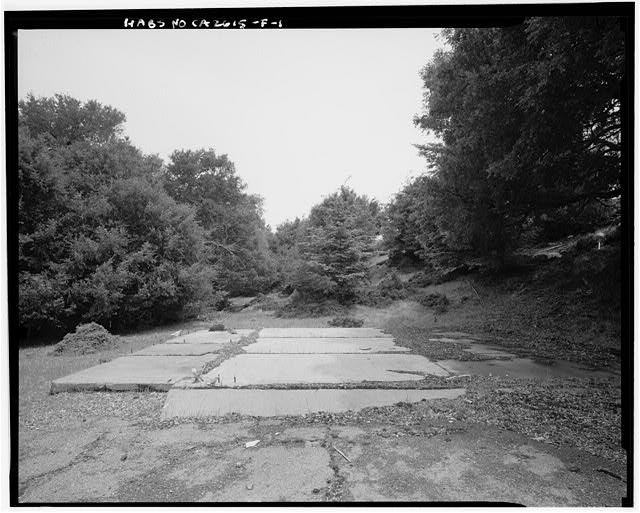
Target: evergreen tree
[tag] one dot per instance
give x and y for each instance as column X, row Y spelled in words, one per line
column 333, row 251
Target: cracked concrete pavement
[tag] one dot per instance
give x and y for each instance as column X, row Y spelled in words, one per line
column 302, row 457
column 111, row 460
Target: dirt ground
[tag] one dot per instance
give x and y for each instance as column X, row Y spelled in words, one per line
column 507, row 440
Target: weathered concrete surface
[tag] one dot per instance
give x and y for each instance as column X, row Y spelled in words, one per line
column 106, row 459
column 522, row 368
column 323, row 345
column 279, row 474
column 264, row 369
column 478, row 463
column 302, row 434
column 271, row 403
column 191, row 434
column 209, row 337
column 112, row 461
column 131, row 373
column 322, row 333
column 177, row 350
column 82, row 463
column 51, row 451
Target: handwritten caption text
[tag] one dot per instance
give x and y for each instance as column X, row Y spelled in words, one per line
column 200, row 23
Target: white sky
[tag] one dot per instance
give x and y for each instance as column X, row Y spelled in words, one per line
column 297, row 111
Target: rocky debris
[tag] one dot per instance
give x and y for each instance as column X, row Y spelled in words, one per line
column 87, row 338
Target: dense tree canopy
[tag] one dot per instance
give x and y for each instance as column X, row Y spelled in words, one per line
column 529, row 124
column 67, row 120
column 411, row 232
column 110, row 235
column 99, row 239
column 235, row 233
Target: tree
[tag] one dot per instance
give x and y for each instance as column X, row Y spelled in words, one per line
column 410, row 231
column 288, row 235
column 67, row 120
column 529, row 124
column 99, row 239
column 333, row 250
column 235, row 232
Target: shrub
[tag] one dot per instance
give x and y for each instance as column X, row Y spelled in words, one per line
column 439, row 302
column 309, row 279
column 392, row 287
column 345, row 322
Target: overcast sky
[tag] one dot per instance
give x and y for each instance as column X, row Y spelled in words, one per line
column 297, row 111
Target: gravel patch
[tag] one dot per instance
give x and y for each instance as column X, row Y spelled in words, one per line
column 57, row 411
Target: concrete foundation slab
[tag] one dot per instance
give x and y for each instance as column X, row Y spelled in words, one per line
column 270, row 403
column 209, row 337
column 264, row 369
column 131, row 373
column 477, row 463
column 523, row 368
column 322, row 333
column 178, row 350
column 323, row 345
